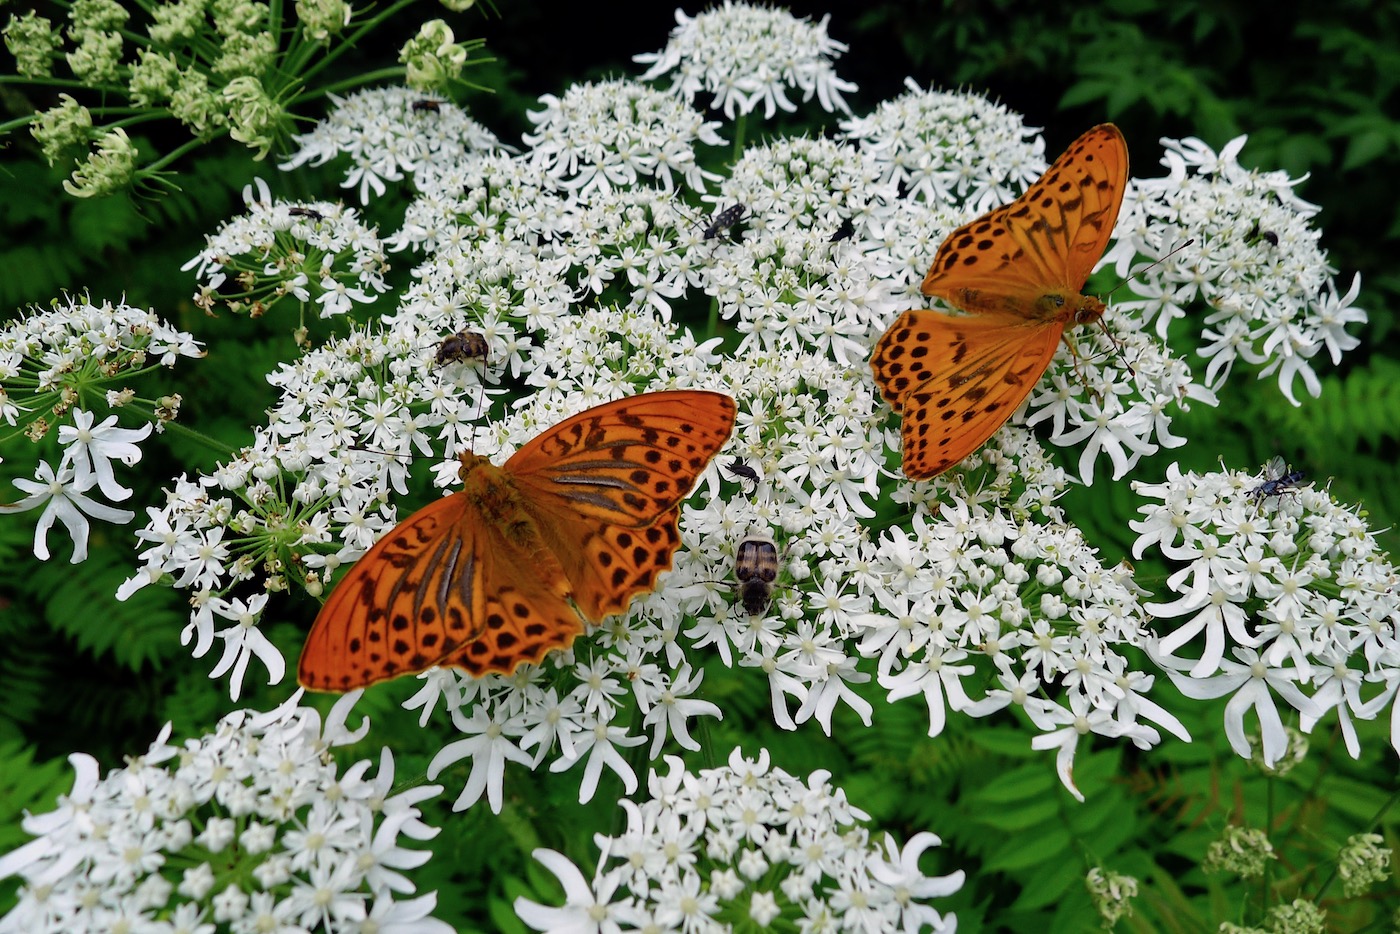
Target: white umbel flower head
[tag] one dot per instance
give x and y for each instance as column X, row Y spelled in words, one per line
column 744, row 56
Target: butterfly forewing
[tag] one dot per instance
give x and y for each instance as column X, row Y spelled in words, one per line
column 1049, row 238
column 626, row 462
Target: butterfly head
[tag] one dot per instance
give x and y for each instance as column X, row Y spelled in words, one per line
column 470, row 463
column 1088, row 309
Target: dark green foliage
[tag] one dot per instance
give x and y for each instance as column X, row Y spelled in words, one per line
column 27, row 785
column 132, row 635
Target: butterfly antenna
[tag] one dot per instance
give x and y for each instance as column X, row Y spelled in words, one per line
column 1157, row 262
column 1117, row 344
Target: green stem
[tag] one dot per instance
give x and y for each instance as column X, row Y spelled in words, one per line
column 397, row 71
column 351, row 40
column 179, row 151
column 213, row 444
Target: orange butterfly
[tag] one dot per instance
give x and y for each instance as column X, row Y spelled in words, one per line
column 578, row 522
column 1017, row 273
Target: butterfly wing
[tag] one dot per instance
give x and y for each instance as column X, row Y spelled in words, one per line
column 958, row 379
column 605, row 487
column 444, row 587
column 1017, row 272
column 1047, row 239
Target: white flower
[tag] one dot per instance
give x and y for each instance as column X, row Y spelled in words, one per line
column 490, row 746
column 242, row 641
column 583, row 912
column 710, row 842
column 104, row 850
column 1254, row 685
column 674, row 707
column 91, row 450
column 63, row 500
column 599, row 740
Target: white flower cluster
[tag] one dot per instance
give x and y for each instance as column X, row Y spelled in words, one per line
column 53, row 365
column 609, row 134
column 953, row 151
column 800, row 256
column 269, row 836
column 316, row 251
column 747, row 55
column 1290, row 592
column 389, row 134
column 1254, row 262
column 737, row 848
column 1023, row 614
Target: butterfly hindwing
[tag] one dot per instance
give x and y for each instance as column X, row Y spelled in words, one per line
column 957, row 380
column 443, row 587
column 605, row 488
column 608, row 565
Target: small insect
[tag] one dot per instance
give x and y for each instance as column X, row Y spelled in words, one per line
column 312, row 213
column 1268, row 236
column 846, row 231
column 1278, row 480
column 427, row 105
column 724, row 220
column 756, row 568
column 461, row 347
column 756, row 563
column 741, row 471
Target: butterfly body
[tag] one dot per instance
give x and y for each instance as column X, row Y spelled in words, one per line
column 577, row 522
column 1017, row 275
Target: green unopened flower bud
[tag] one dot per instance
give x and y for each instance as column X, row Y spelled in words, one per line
column 246, row 54
column 61, row 128
column 154, row 78
column 110, row 169
column 33, row 42
column 1240, row 850
column 105, row 15
column 432, row 57
column 97, row 56
column 176, row 21
column 1110, row 893
column 252, row 114
column 196, row 106
column 459, row 6
column 1298, row 917
column 232, row 17
column 322, row 19
column 1364, row 861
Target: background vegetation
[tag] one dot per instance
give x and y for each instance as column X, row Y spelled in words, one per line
column 1314, row 86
